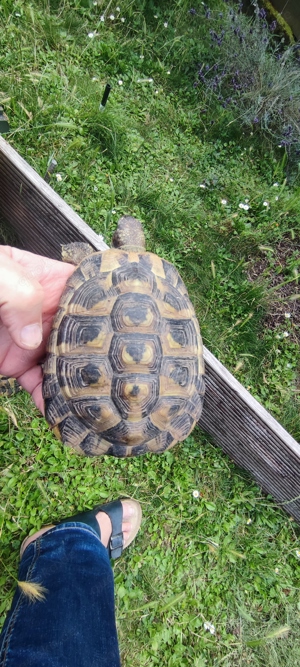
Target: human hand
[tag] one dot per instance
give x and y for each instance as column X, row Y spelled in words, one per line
column 30, row 290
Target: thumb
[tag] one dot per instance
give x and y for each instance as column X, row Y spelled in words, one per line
column 21, row 300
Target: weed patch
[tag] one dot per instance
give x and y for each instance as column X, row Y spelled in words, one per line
column 249, row 72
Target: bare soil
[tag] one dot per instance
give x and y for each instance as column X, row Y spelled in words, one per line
column 275, row 272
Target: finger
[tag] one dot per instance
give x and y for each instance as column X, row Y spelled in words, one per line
column 39, row 267
column 21, row 300
column 32, row 382
column 50, row 273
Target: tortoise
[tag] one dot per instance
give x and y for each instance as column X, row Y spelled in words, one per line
column 8, row 386
column 124, row 372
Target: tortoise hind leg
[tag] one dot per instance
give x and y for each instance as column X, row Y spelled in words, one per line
column 8, row 386
column 74, row 253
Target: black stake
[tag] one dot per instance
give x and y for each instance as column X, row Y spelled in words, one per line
column 50, row 169
column 4, row 125
column 105, row 97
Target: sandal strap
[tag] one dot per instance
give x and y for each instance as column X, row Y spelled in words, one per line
column 115, row 512
column 88, row 517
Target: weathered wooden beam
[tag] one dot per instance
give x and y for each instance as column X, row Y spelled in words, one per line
column 231, row 416
column 250, row 435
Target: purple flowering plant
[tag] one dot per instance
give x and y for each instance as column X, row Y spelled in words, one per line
column 251, row 73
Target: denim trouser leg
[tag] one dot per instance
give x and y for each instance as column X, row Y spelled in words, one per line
column 75, row 625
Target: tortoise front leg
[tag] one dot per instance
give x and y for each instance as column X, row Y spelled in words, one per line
column 75, row 252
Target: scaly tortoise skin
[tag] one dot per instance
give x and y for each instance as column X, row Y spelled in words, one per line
column 124, row 370
column 8, row 386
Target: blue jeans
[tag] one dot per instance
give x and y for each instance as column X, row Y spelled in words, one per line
column 75, row 625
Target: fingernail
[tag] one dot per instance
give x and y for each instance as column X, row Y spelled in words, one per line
column 31, row 335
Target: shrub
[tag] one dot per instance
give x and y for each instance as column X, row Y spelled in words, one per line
column 250, row 72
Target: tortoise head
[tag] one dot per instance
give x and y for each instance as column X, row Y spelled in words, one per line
column 129, row 235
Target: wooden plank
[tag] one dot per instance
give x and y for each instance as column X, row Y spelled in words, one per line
column 242, row 427
column 231, row 416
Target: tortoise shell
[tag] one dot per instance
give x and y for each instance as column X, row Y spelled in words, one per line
column 124, row 371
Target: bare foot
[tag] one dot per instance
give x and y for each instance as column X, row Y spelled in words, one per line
column 105, row 523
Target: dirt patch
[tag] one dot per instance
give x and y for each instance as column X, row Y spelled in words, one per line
column 275, row 271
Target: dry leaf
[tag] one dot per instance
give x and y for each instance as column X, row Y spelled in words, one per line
column 28, row 113
column 11, row 414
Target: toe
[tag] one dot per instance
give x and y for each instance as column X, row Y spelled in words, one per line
column 128, row 509
column 126, row 530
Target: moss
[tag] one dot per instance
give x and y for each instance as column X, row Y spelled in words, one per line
column 280, row 20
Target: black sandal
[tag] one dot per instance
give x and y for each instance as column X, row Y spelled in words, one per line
column 114, row 510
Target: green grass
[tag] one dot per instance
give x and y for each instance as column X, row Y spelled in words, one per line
column 228, row 557
column 195, row 560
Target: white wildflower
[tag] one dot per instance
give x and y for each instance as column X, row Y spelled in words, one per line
column 223, row 202
column 196, row 494
column 122, row 19
column 248, row 522
column 112, row 17
column 275, row 185
column 155, row 16
column 168, row 72
column 298, row 553
column 165, row 24
column 266, row 204
column 276, row 198
column 17, row 14
column 58, row 177
column 202, row 186
column 285, row 334
column 289, row 365
column 113, row 211
column 117, row 9
column 102, row 18
column 142, row 57
column 278, row 336
column 156, row 92
column 287, row 315
column 247, row 201
column 276, row 570
column 91, row 35
column 209, row 626
column 95, row 78
column 245, row 207
column 120, row 82
column 171, row 179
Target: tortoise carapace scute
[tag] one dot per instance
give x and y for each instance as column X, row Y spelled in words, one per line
column 124, row 372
